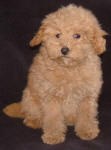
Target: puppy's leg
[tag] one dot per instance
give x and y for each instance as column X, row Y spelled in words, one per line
column 53, row 124
column 86, row 126
column 32, row 123
column 30, row 106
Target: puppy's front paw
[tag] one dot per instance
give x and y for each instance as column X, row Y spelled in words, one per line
column 88, row 132
column 53, row 139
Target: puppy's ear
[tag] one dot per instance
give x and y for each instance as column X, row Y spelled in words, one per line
column 99, row 42
column 37, row 39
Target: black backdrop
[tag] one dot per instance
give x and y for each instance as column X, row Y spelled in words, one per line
column 19, row 20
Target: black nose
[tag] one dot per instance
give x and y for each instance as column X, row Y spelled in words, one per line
column 65, row 50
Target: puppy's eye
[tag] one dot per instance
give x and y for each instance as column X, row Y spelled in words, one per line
column 58, row 35
column 76, row 36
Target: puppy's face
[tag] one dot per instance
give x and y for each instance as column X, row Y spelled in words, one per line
column 70, row 35
column 68, row 44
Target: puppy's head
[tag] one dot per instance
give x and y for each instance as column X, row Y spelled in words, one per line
column 70, row 35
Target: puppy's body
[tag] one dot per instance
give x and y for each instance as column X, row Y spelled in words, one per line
column 69, row 86
column 63, row 88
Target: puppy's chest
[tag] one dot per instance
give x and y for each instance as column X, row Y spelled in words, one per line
column 66, row 81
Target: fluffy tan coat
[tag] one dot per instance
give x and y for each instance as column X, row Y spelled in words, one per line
column 63, row 89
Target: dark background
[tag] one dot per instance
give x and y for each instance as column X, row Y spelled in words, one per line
column 19, row 20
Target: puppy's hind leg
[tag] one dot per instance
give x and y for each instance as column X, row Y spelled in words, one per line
column 36, row 123
column 32, row 110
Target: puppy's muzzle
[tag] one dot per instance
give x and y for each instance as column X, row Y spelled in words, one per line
column 65, row 50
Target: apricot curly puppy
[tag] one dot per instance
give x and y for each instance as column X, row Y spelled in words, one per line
column 65, row 78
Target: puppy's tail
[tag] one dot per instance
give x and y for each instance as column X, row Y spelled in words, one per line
column 14, row 110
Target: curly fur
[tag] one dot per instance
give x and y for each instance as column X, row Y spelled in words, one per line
column 64, row 90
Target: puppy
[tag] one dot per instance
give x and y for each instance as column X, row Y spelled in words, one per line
column 65, row 78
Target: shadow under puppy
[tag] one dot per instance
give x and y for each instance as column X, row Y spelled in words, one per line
column 65, row 78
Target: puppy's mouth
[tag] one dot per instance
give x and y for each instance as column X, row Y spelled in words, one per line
column 65, row 60
column 68, row 61
column 68, row 58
